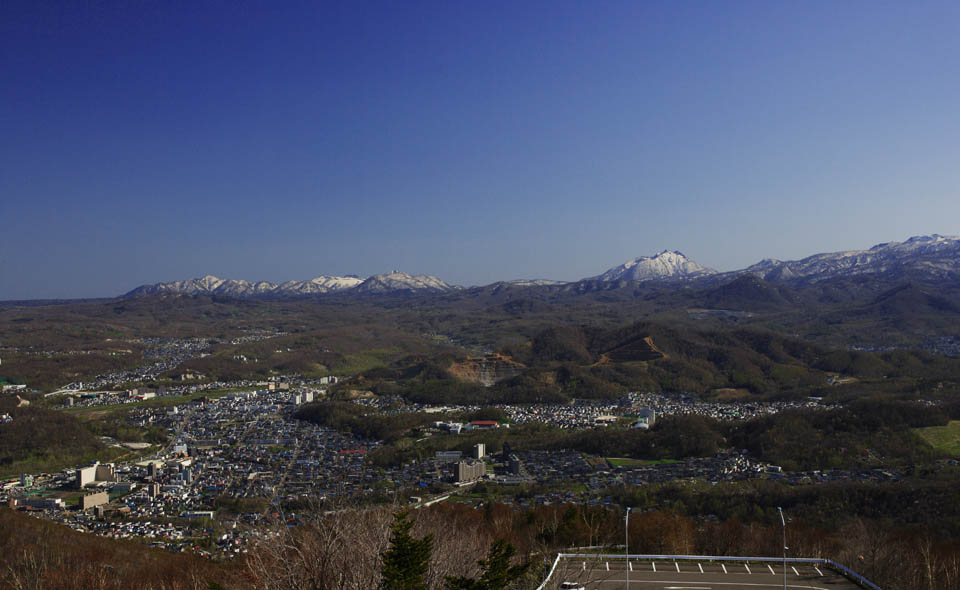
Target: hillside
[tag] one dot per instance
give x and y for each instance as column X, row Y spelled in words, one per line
column 41, row 440
column 40, row 554
column 560, row 363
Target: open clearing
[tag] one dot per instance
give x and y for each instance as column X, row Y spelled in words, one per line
column 943, row 438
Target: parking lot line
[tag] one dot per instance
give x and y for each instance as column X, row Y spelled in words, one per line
column 795, row 570
column 608, row 566
column 678, row 566
column 771, row 569
column 818, row 570
column 654, row 564
column 724, row 568
column 630, row 565
column 701, row 568
column 748, row 568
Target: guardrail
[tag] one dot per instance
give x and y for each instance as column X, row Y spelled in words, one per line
column 550, row 575
column 809, row 560
column 849, row 572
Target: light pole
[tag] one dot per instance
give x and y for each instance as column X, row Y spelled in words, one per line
column 784, row 523
column 626, row 543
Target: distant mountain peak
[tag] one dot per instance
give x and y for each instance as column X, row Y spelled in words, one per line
column 664, row 265
column 401, row 281
column 919, row 241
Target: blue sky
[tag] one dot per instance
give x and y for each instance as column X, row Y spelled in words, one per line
column 153, row 141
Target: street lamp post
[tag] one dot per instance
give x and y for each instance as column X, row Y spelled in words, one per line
column 784, row 523
column 626, row 543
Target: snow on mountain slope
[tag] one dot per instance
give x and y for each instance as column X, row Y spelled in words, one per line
column 925, row 257
column 401, row 281
column 211, row 285
column 321, row 284
column 934, row 255
column 662, row 266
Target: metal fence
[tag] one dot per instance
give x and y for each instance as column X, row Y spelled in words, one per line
column 808, row 560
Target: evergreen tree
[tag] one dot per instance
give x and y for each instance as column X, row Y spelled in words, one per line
column 405, row 563
column 498, row 574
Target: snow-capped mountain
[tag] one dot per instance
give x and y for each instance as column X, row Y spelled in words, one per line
column 401, row 281
column 211, row 285
column 924, row 258
column 208, row 285
column 933, row 256
column 667, row 265
column 321, row 284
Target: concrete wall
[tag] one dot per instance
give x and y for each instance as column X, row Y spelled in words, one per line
column 86, row 476
column 105, row 473
column 91, row 500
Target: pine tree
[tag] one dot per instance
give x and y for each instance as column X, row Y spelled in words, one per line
column 498, row 574
column 405, row 563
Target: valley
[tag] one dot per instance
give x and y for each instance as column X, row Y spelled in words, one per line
column 215, row 414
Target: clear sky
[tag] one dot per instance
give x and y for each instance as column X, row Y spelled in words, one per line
column 150, row 141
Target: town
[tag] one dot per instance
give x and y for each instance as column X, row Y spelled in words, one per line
column 240, row 441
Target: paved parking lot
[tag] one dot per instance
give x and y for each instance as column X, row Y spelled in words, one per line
column 694, row 575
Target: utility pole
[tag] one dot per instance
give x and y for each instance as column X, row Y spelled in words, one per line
column 784, row 523
column 626, row 543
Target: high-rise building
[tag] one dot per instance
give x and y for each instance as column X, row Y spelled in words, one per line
column 470, row 470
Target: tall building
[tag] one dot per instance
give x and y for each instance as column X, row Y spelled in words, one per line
column 646, row 418
column 470, row 470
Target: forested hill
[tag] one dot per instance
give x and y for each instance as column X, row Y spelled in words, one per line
column 564, row 362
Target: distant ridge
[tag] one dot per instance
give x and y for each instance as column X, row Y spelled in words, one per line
column 920, row 258
column 394, row 282
column 932, row 257
column 400, row 281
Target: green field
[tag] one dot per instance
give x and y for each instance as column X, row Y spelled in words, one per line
column 366, row 360
column 84, row 412
column 943, row 438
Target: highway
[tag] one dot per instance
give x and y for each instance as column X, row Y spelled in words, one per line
column 693, row 575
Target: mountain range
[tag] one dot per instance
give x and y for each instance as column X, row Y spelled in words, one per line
column 932, row 257
column 393, row 282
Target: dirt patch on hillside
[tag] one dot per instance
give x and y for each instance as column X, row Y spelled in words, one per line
column 486, row 370
column 640, row 349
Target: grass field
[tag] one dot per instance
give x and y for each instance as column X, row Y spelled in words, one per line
column 943, row 438
column 366, row 360
column 96, row 412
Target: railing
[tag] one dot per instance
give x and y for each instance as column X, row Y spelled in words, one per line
column 849, row 572
column 809, row 560
column 550, row 575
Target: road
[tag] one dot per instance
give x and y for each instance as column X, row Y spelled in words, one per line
column 693, row 575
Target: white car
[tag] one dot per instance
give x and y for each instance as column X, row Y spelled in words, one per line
column 571, row 586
